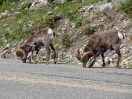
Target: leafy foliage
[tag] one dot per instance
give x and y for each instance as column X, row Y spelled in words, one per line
column 65, row 40
column 7, row 4
column 38, row 19
column 126, row 7
column 78, row 22
column 88, row 30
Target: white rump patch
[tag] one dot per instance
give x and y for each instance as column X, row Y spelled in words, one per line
column 50, row 32
column 120, row 36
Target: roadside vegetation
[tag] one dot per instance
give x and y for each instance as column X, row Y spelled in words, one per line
column 17, row 21
column 126, row 7
column 19, row 25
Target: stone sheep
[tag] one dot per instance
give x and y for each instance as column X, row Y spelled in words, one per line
column 98, row 44
column 35, row 41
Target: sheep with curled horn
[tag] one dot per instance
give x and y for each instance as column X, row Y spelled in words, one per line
column 35, row 41
column 98, row 44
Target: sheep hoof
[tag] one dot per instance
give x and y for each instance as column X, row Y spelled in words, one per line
column 29, row 60
column 103, row 66
column 54, row 62
column 118, row 67
column 90, row 66
column 47, row 62
column 35, row 62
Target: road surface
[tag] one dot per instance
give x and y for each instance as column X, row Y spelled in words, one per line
column 62, row 81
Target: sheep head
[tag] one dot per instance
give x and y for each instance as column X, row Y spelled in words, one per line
column 84, row 57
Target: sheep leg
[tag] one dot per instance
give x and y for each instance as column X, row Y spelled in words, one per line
column 36, row 57
column 84, row 64
column 102, row 54
column 31, row 57
column 119, row 58
column 48, row 54
column 52, row 47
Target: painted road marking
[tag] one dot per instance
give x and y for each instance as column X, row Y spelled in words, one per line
column 68, row 84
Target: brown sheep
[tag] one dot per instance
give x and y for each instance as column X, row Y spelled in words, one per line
column 99, row 43
column 35, row 41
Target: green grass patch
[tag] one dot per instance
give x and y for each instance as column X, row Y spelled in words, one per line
column 7, row 5
column 126, row 7
column 38, row 19
column 65, row 39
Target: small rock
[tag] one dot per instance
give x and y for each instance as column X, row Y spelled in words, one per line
column 50, row 13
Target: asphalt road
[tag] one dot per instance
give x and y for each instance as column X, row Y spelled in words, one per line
column 62, row 81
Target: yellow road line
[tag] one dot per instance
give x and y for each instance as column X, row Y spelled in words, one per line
column 69, row 84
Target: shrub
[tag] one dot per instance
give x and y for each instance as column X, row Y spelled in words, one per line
column 109, row 0
column 126, row 7
column 66, row 42
column 78, row 22
column 25, row 5
column 49, row 22
column 6, row 34
column 18, row 16
column 7, row 5
column 88, row 30
column 25, row 12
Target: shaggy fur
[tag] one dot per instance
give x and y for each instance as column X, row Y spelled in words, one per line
column 99, row 43
column 35, row 41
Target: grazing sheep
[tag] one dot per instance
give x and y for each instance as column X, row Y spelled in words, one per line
column 99, row 43
column 35, row 41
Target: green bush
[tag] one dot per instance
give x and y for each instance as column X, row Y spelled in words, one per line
column 40, row 18
column 78, row 22
column 25, row 12
column 24, row 6
column 6, row 34
column 109, row 0
column 65, row 39
column 18, row 16
column 88, row 30
column 126, row 7
column 7, row 5
column 3, row 17
column 49, row 22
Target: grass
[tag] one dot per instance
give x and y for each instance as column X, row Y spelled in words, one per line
column 126, row 7
column 65, row 39
column 7, row 5
column 88, row 31
column 38, row 19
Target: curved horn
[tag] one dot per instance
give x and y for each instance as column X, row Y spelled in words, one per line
column 77, row 54
column 21, row 53
column 85, row 55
